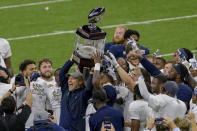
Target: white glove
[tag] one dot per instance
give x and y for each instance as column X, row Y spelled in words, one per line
column 114, row 62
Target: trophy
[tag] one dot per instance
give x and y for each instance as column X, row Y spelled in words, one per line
column 89, row 38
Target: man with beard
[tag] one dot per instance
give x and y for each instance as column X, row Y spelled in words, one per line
column 119, row 50
column 40, row 89
column 118, row 37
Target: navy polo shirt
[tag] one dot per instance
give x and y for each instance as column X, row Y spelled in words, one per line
column 42, row 127
column 116, row 118
column 111, row 94
column 118, row 50
column 108, row 45
column 73, row 104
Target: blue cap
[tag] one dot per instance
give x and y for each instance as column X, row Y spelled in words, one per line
column 171, row 87
column 185, row 93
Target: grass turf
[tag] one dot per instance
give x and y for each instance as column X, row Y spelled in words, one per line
column 64, row 16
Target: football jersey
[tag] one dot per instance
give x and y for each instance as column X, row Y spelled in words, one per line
column 5, row 51
column 4, row 89
column 139, row 110
column 39, row 98
column 193, row 109
column 162, row 104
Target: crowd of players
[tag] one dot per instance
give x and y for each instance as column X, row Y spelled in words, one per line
column 128, row 89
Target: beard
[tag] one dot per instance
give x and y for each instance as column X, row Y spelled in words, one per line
column 118, row 41
column 46, row 75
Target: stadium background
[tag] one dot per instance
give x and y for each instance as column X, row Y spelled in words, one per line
column 21, row 22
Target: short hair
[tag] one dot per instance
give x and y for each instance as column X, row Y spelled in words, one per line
column 25, row 63
column 122, row 27
column 8, row 105
column 182, row 123
column 161, row 127
column 161, row 78
column 130, row 32
column 162, row 59
column 46, row 60
column 100, row 96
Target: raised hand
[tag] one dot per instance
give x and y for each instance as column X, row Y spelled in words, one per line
column 97, row 57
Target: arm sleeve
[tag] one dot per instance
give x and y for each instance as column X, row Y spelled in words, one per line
column 87, row 93
column 7, row 49
column 63, row 79
column 143, row 89
column 24, row 115
column 154, row 102
column 152, row 69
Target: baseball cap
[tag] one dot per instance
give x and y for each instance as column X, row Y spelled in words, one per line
column 76, row 74
column 171, row 87
column 184, row 93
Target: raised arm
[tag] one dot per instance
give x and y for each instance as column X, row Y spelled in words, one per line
column 87, row 93
column 152, row 69
column 154, row 102
column 64, row 70
column 123, row 74
column 28, row 93
column 96, row 75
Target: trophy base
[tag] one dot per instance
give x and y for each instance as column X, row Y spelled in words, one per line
column 79, row 60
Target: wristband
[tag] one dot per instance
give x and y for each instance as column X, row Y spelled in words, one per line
column 97, row 66
column 117, row 66
column 27, row 89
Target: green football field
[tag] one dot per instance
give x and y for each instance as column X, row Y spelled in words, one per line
column 45, row 28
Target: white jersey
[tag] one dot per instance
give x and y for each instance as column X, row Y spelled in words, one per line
column 193, row 109
column 4, row 89
column 163, row 105
column 89, row 110
column 54, row 95
column 128, row 100
column 139, row 110
column 5, row 51
column 39, row 97
column 122, row 92
column 195, row 78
